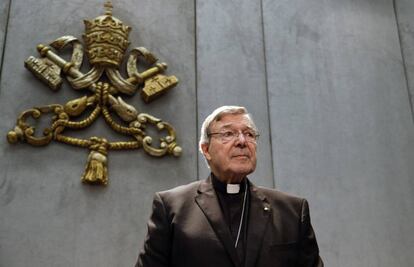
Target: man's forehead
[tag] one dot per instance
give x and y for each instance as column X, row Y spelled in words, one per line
column 231, row 120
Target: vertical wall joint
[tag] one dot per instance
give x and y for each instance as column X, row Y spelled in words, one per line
column 410, row 96
column 3, row 48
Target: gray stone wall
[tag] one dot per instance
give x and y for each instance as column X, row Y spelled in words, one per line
column 342, row 131
column 328, row 83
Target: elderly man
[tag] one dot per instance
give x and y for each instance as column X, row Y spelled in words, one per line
column 225, row 220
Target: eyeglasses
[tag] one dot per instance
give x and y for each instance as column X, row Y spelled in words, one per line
column 228, row 136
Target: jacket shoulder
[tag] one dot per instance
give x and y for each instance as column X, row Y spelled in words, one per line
column 282, row 200
column 180, row 194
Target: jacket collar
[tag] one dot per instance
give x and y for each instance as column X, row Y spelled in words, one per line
column 259, row 212
column 259, row 215
column 208, row 203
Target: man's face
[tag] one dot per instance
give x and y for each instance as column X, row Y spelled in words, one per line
column 231, row 161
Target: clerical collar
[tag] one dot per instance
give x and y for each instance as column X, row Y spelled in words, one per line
column 227, row 188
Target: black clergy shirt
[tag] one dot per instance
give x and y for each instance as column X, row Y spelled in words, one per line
column 231, row 205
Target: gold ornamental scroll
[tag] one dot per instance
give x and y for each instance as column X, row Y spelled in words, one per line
column 105, row 45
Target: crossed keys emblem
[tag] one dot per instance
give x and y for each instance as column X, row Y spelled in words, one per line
column 106, row 41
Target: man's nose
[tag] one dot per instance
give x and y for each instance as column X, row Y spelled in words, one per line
column 241, row 139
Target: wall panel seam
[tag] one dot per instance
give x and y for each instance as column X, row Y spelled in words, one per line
column 273, row 172
column 196, row 90
column 4, row 41
column 403, row 58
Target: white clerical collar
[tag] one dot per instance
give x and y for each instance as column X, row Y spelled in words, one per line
column 233, row 188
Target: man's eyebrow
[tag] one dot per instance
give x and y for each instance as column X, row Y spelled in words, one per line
column 228, row 125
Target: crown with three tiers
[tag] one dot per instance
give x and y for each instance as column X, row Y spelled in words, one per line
column 106, row 39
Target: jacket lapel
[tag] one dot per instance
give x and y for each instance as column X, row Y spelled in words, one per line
column 259, row 214
column 208, row 203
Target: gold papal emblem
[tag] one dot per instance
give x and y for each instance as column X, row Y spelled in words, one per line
column 106, row 41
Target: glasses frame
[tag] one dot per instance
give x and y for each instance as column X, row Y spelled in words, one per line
column 235, row 136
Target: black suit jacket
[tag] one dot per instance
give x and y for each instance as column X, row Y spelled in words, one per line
column 187, row 229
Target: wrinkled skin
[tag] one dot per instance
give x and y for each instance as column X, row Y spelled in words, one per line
column 230, row 161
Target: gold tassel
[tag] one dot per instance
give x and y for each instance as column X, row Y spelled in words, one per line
column 96, row 171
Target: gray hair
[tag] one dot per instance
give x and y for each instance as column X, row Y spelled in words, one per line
column 216, row 116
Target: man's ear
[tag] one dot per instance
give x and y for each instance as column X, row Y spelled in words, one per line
column 206, row 153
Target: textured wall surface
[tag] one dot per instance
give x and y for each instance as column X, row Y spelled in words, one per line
column 342, row 130
column 327, row 82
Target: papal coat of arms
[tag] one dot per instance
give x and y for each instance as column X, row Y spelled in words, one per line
column 106, row 42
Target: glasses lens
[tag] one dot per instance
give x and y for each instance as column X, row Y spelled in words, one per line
column 227, row 136
column 230, row 136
